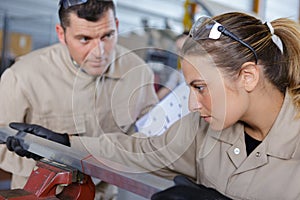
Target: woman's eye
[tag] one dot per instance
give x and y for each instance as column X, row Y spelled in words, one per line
column 200, row 88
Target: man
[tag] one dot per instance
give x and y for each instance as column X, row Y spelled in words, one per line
column 87, row 84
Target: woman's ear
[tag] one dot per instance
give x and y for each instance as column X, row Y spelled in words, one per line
column 249, row 76
column 60, row 33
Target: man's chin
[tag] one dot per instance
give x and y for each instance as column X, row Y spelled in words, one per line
column 95, row 71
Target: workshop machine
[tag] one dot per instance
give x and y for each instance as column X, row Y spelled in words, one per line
column 65, row 173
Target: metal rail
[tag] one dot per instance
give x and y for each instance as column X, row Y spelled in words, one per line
column 143, row 184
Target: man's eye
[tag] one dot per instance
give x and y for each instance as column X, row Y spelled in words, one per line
column 84, row 40
column 108, row 36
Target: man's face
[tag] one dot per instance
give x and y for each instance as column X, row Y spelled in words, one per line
column 91, row 44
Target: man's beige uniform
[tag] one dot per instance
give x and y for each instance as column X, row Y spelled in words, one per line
column 44, row 87
column 216, row 159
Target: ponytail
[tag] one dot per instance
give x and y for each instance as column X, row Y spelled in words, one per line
column 289, row 32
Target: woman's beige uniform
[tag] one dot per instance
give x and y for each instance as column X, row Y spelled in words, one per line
column 46, row 88
column 215, row 159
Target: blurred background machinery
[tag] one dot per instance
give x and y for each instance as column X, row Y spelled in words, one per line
column 26, row 25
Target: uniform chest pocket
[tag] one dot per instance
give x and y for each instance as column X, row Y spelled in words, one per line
column 70, row 124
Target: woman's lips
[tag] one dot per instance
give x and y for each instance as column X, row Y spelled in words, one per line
column 207, row 118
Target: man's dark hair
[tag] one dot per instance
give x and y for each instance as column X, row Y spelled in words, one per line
column 92, row 11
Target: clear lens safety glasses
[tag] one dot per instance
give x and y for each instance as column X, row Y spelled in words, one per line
column 205, row 28
column 68, row 3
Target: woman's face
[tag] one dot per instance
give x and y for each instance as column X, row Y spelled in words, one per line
column 220, row 100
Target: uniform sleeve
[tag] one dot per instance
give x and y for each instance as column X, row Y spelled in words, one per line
column 13, row 102
column 13, row 106
column 171, row 153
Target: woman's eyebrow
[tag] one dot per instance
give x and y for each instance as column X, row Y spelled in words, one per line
column 197, row 82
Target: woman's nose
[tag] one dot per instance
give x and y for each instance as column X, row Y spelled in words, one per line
column 194, row 104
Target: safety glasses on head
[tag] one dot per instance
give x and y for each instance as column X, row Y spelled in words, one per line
column 207, row 28
column 69, row 3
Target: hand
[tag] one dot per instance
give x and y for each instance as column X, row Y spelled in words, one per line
column 185, row 189
column 42, row 132
column 16, row 145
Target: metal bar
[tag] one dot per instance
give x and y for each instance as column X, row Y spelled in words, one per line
column 256, row 6
column 143, row 184
column 5, row 40
column 299, row 11
column 259, row 8
column 5, row 132
column 147, row 12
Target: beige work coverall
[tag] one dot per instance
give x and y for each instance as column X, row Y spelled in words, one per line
column 46, row 88
column 217, row 159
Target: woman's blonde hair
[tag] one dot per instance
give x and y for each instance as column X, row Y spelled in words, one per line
column 281, row 68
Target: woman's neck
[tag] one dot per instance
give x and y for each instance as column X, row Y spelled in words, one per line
column 262, row 113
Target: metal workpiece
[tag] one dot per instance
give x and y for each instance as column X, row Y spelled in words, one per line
column 143, row 184
column 5, row 132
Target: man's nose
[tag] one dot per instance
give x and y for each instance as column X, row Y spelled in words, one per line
column 98, row 47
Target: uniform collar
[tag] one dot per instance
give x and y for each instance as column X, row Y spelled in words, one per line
column 114, row 70
column 283, row 139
